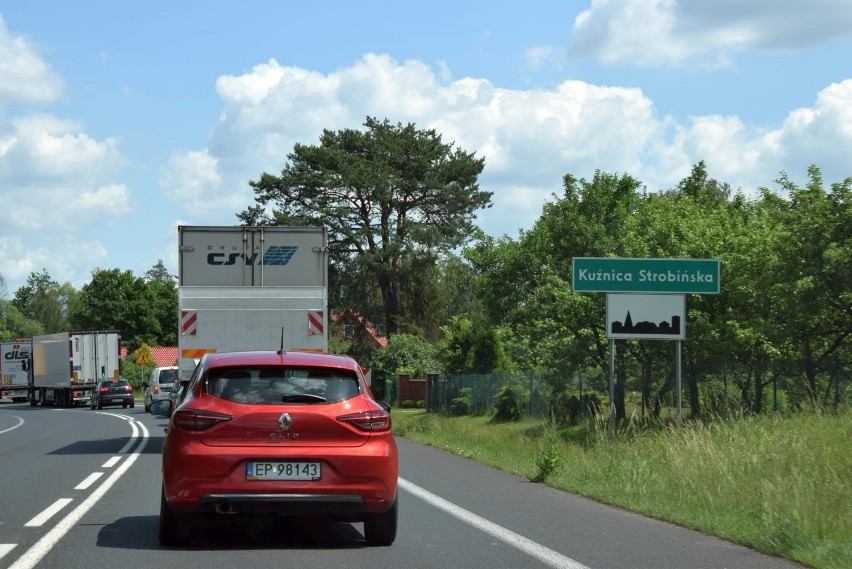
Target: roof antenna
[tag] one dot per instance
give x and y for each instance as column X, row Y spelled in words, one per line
column 282, row 351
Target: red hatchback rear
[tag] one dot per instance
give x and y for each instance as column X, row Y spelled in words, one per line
column 291, row 434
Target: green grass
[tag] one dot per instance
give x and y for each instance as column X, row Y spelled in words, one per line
column 781, row 484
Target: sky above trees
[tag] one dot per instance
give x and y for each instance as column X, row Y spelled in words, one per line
column 118, row 121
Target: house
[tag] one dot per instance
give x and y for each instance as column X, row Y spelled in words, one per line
column 352, row 328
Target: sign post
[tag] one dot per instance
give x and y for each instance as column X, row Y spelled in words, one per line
column 643, row 315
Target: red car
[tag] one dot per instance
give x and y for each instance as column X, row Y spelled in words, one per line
column 291, row 434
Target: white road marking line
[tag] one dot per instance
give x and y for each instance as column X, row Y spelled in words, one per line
column 133, row 436
column 20, row 422
column 91, row 479
column 111, row 462
column 41, row 548
column 6, row 548
column 540, row 552
column 48, row 513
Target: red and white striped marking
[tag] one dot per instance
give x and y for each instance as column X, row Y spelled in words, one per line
column 315, row 325
column 188, row 322
column 196, row 353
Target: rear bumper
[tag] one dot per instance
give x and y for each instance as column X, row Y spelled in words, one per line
column 109, row 400
column 300, row 505
column 355, row 480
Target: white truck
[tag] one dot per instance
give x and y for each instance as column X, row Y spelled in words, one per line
column 14, row 369
column 67, row 367
column 250, row 288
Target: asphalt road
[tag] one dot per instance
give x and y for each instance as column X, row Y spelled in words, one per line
column 80, row 488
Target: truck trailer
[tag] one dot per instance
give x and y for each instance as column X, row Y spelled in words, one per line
column 67, row 367
column 14, row 369
column 251, row 288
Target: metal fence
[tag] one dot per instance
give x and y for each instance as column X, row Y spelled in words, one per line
column 537, row 393
column 475, row 393
column 478, row 391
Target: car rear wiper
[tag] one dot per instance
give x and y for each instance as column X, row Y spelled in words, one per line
column 302, row 398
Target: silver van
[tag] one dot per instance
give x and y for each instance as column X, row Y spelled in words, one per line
column 160, row 384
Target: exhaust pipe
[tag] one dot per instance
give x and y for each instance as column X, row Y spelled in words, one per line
column 224, row 507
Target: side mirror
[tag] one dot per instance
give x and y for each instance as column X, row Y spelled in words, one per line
column 162, row 408
column 384, row 406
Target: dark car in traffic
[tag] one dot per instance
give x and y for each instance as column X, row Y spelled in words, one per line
column 112, row 392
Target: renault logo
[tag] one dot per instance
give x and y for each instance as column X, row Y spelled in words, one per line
column 284, row 421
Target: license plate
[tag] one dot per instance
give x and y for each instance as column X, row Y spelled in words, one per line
column 283, row 471
column 118, row 400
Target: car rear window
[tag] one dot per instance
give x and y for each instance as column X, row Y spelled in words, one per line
column 282, row 385
column 168, row 375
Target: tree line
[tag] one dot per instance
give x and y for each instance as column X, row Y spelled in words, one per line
column 401, row 204
column 783, row 319
column 406, row 254
column 143, row 309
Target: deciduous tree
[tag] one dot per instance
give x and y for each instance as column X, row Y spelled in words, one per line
column 164, row 305
column 47, row 302
column 118, row 300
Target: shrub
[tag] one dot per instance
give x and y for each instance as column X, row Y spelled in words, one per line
column 406, row 353
column 547, row 460
column 461, row 405
column 507, row 406
column 569, row 408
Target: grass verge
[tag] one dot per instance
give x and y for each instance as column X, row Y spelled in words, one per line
column 781, row 484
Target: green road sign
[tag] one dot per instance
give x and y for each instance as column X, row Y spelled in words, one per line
column 680, row 276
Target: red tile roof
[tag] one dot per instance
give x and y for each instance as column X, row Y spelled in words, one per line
column 380, row 340
column 163, row 356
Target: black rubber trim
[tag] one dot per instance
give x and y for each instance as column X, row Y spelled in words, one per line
column 334, row 505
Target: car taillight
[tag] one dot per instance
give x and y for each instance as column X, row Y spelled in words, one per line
column 373, row 421
column 156, row 389
column 128, row 388
column 195, row 420
column 104, row 389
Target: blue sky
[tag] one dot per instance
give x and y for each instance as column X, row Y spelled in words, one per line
column 120, row 120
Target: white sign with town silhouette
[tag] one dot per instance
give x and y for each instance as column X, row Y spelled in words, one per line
column 646, row 316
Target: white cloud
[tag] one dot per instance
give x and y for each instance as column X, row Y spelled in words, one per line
column 191, row 178
column 56, row 181
column 167, row 241
column 114, row 200
column 821, row 134
column 17, row 263
column 749, row 157
column 24, row 75
column 670, row 32
column 43, row 147
column 530, row 139
column 47, row 164
column 536, row 57
column 731, row 151
column 63, row 256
